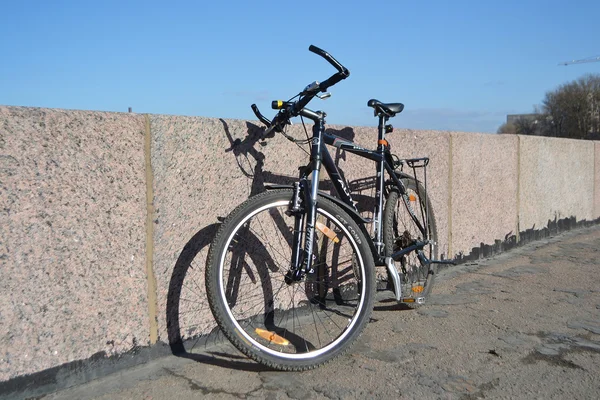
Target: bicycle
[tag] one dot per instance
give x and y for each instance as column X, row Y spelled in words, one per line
column 290, row 274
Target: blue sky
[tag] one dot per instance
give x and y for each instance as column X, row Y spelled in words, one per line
column 456, row 65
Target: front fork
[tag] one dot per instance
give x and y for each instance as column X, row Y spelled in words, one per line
column 304, row 208
column 296, row 272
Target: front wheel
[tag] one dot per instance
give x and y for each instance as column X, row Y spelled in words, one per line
column 401, row 231
column 285, row 326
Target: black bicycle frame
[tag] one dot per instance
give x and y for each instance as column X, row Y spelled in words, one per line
column 308, row 189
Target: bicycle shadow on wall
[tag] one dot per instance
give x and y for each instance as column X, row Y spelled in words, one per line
column 190, row 325
column 251, row 161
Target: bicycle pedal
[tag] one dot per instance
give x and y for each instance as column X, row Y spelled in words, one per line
column 412, row 300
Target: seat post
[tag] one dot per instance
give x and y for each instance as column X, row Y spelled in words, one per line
column 381, row 131
column 378, row 212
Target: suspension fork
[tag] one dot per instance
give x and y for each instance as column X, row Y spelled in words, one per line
column 297, row 212
column 311, row 197
column 302, row 259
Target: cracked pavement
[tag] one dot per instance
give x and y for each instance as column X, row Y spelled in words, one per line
column 525, row 324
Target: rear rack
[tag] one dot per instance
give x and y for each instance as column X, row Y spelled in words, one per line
column 417, row 162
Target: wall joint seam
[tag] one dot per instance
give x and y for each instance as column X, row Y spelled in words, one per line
column 150, row 276
column 518, row 234
column 450, row 255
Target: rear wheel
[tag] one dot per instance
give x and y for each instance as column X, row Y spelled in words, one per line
column 285, row 326
column 400, row 231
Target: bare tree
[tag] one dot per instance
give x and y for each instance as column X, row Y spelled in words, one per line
column 526, row 126
column 572, row 110
column 507, row 128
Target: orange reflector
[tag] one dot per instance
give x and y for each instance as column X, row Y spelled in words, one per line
column 327, row 232
column 408, row 300
column 272, row 337
column 383, row 142
column 418, row 289
column 412, row 197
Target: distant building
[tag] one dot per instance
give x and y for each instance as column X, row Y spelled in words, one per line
column 512, row 118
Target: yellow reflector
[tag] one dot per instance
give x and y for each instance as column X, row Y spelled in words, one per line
column 412, row 197
column 272, row 337
column 327, row 232
column 408, row 300
column 418, row 289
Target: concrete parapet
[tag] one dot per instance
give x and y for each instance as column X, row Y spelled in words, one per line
column 72, row 209
column 484, row 190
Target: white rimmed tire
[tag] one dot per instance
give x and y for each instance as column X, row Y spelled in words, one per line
column 284, row 326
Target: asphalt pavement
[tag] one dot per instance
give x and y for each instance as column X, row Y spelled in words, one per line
column 522, row 325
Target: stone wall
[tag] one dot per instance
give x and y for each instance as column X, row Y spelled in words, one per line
column 106, row 218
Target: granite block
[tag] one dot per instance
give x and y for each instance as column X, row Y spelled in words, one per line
column 556, row 180
column 72, row 228
column 484, row 189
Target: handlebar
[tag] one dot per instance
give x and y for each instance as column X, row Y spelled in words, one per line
column 293, row 109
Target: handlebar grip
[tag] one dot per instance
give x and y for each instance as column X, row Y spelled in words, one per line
column 336, row 64
column 332, row 80
column 260, row 117
column 317, row 50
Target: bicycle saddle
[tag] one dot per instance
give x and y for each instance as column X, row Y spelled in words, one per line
column 389, row 109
